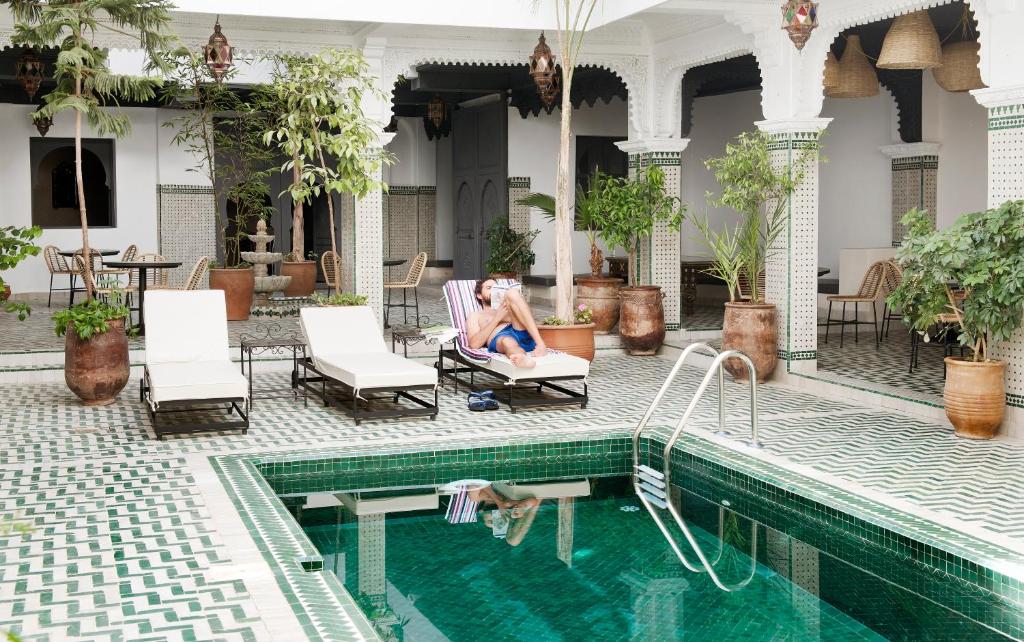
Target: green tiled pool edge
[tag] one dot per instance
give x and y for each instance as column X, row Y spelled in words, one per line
column 327, row 612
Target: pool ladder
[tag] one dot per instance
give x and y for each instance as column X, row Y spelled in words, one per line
column 653, row 487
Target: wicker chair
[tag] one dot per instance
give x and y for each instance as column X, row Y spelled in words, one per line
column 156, row 279
column 869, row 291
column 57, row 266
column 890, row 281
column 329, row 266
column 195, row 277
column 412, row 280
column 129, row 254
column 104, row 291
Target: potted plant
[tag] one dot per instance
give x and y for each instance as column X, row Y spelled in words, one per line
column 599, row 293
column 576, row 338
column 15, row 246
column 96, row 352
column 632, row 207
column 224, row 133
column 303, row 273
column 983, row 253
column 760, row 192
column 509, row 254
column 338, row 299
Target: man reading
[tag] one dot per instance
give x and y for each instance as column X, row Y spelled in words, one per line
column 508, row 328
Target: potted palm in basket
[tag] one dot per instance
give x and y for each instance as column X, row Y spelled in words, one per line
column 966, row 279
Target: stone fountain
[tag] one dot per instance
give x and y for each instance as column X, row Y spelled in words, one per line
column 260, row 259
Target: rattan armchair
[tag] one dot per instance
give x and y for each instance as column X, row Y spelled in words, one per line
column 411, row 281
column 57, row 266
column 868, row 292
column 329, row 266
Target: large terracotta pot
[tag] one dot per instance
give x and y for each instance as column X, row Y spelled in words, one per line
column 750, row 328
column 642, row 319
column 577, row 340
column 303, row 275
column 97, row 368
column 975, row 396
column 237, row 285
column 601, row 295
column 5, row 293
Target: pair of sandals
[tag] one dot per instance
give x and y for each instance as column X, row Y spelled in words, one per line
column 483, row 400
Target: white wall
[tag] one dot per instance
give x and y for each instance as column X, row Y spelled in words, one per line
column 141, row 161
column 533, row 152
column 415, row 157
column 960, row 124
column 445, row 207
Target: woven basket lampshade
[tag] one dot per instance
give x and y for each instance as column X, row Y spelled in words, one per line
column 857, row 78
column 912, row 43
column 959, row 71
column 831, row 73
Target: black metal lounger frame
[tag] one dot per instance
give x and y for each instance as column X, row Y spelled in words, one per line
column 572, row 397
column 236, row 404
column 425, row 409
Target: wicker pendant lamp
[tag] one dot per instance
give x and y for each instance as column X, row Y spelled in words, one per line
column 959, row 71
column 831, row 80
column 912, row 43
column 857, row 78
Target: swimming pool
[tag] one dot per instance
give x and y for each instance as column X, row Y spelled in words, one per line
column 583, row 561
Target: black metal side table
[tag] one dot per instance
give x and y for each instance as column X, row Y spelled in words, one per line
column 273, row 341
column 410, row 335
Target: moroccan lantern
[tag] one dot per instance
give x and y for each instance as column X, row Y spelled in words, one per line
column 959, row 71
column 550, row 94
column 218, row 53
column 799, row 17
column 911, row 43
column 543, row 69
column 857, row 78
column 43, row 123
column 436, row 111
column 29, row 72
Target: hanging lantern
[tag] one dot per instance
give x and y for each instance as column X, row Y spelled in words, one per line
column 800, row 17
column 857, row 78
column 543, row 70
column 959, row 71
column 911, row 43
column 218, row 53
column 436, row 111
column 831, row 80
column 29, row 72
column 549, row 95
column 43, row 123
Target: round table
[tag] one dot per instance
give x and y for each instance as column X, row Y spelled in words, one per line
column 70, row 253
column 393, row 262
column 142, row 266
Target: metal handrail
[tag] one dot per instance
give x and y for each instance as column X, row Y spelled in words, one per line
column 716, row 368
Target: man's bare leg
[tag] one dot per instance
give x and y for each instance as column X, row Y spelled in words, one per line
column 522, row 319
column 515, row 353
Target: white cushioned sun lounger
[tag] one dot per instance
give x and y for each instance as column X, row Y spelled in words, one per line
column 188, row 367
column 555, row 366
column 346, row 347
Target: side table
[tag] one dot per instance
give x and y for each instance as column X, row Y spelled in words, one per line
column 272, row 342
column 409, row 335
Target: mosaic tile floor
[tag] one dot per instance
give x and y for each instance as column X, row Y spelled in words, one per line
column 704, row 317
column 124, row 545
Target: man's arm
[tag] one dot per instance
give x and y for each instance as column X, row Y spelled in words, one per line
column 478, row 332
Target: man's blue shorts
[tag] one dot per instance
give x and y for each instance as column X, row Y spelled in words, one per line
column 522, row 337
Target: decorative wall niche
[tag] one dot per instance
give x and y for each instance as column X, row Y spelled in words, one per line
column 54, row 190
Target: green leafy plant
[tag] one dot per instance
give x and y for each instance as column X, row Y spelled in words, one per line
column 16, row 245
column 320, row 126
column 85, row 84
column 631, row 209
column 340, row 298
column 760, row 191
column 509, row 250
column 224, row 133
column 983, row 252
column 89, row 318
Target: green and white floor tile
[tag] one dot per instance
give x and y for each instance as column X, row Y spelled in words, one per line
column 126, row 545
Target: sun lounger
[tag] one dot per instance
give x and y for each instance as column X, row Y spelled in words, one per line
column 555, row 366
column 188, row 367
column 347, row 350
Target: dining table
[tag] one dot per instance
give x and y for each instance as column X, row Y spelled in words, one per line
column 393, row 262
column 73, row 253
column 142, row 267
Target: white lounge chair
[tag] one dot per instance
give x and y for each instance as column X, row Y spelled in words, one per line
column 188, row 367
column 555, row 366
column 346, row 347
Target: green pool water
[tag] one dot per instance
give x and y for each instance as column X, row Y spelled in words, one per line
column 593, row 566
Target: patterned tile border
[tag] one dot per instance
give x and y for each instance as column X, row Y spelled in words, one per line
column 183, row 189
column 518, row 181
column 328, row 612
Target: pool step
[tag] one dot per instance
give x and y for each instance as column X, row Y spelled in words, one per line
column 651, row 485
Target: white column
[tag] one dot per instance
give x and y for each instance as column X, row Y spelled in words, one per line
column 659, row 255
column 791, row 271
column 915, row 173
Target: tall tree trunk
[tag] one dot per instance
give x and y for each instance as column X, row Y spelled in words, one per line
column 298, row 232
column 563, row 215
column 80, row 183
column 330, row 215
